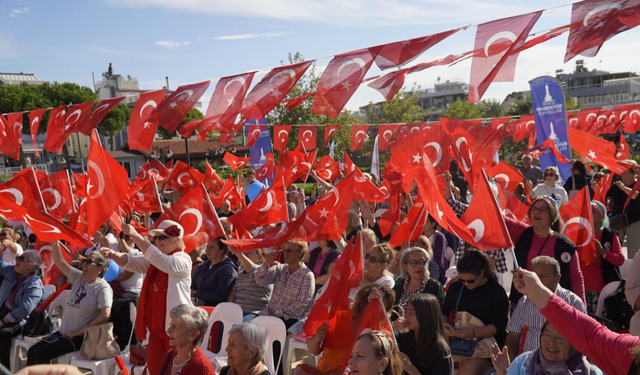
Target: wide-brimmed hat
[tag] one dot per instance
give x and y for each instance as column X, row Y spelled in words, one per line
column 168, row 228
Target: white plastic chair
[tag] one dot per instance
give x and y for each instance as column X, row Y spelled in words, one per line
column 276, row 332
column 106, row 366
column 604, row 293
column 292, row 346
column 624, row 268
column 22, row 344
column 48, row 290
column 229, row 314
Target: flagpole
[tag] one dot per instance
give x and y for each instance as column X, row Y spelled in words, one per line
column 286, row 202
column 417, row 222
column 155, row 184
column 44, row 206
column 384, row 309
column 215, row 213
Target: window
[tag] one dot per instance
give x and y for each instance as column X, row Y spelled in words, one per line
column 127, row 166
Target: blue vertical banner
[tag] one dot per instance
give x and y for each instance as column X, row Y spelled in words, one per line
column 550, row 114
column 260, row 148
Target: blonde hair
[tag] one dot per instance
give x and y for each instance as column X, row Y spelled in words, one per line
column 427, row 244
column 555, row 170
column 386, row 250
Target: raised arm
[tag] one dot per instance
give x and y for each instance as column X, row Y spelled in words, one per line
column 58, row 259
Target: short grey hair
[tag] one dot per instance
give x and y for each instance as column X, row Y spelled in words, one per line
column 544, row 260
column 405, row 256
column 194, row 319
column 255, row 336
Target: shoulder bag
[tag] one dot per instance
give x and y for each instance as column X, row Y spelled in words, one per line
column 99, row 342
column 461, row 347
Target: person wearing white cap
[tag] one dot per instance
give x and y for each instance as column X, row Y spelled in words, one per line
column 165, row 264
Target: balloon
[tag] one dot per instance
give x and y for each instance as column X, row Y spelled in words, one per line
column 112, row 271
column 254, row 190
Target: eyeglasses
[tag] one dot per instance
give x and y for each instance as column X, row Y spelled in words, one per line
column 557, row 338
column 373, row 259
column 468, row 281
column 21, row 258
column 289, row 251
column 2, row 234
column 89, row 261
column 549, row 174
column 541, row 210
column 158, row 238
column 414, row 262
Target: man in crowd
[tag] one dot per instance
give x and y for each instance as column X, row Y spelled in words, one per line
column 530, row 171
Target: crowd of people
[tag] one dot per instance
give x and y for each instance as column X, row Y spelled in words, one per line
column 448, row 304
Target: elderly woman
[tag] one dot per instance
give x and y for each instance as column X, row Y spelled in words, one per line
column 166, row 284
column 245, row 350
column 549, row 187
column 88, row 304
column 21, row 292
column 555, row 356
column 188, row 326
column 376, row 262
column 373, row 354
column 603, row 269
column 246, row 292
column 415, row 278
column 214, row 279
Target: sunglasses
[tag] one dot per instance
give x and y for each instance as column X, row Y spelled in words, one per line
column 2, row 234
column 468, row 281
column 158, row 238
column 373, row 259
column 89, row 261
column 21, row 258
column 414, row 263
column 549, row 174
column 289, row 251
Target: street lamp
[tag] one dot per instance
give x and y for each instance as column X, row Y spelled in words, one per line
column 161, row 153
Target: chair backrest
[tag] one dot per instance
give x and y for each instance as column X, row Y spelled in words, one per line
column 606, row 291
column 133, row 314
column 60, row 300
column 228, row 314
column 624, row 268
column 48, row 290
column 276, row 332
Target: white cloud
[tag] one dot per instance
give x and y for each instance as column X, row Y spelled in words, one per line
column 248, row 36
column 170, row 44
column 19, row 12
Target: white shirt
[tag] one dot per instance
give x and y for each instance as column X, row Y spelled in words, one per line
column 8, row 255
column 556, row 192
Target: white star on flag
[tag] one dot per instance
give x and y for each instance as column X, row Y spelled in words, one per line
column 592, row 155
column 324, row 212
column 416, row 158
column 346, row 86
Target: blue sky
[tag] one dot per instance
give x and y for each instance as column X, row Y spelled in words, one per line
column 196, row 40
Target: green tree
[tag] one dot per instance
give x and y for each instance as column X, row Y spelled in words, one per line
column 490, row 108
column 114, row 122
column 461, row 109
column 193, row 114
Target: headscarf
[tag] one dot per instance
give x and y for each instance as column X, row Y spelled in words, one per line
column 576, row 363
column 603, row 211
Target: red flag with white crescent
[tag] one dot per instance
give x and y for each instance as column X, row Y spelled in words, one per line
column 92, row 120
column 386, row 134
column 213, row 183
column 56, row 192
column 225, row 104
column 235, row 162
column 578, row 225
column 184, row 178
column 328, row 169
column 175, row 107
column 35, row 117
column 254, row 131
column 410, row 227
column 145, row 198
column 144, row 120
column 307, row 137
column 623, row 149
column 328, row 133
column 12, row 136
column 270, row 207
column 66, row 124
column 267, row 169
column 23, row 190
column 397, row 54
column 281, row 137
column 506, row 176
column 358, row 135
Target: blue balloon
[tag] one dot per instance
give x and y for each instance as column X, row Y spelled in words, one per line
column 112, row 271
column 254, row 190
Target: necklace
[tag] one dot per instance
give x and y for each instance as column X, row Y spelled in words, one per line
column 183, row 363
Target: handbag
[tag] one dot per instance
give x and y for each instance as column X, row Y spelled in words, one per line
column 99, row 342
column 573, row 192
column 38, row 324
column 138, row 356
column 619, row 222
column 461, row 347
column 618, row 308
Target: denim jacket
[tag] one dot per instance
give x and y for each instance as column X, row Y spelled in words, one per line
column 27, row 298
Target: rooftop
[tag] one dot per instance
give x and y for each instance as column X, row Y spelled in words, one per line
column 177, row 147
column 18, row 78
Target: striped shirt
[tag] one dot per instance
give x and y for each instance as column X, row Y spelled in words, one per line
column 528, row 315
column 249, row 295
column 292, row 292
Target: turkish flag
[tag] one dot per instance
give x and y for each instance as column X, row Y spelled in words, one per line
column 213, row 182
column 35, row 117
column 578, row 225
column 79, row 185
column 56, row 193
column 544, row 37
column 55, row 117
column 254, row 131
column 273, row 238
column 269, row 207
column 632, row 120
column 46, row 227
column 600, row 194
column 328, row 169
column 12, row 133
column 187, row 129
column 326, row 219
column 522, row 128
column 623, row 149
column 290, row 165
column 267, row 169
column 364, row 189
column 225, row 103
column 328, row 132
column 389, row 84
column 298, row 100
column 274, row 87
column 396, row 54
column 392, row 186
column 307, row 137
column 484, row 218
column 340, row 79
column 506, row 176
column 411, row 227
column 23, row 189
column 587, row 118
column 107, row 185
column 376, row 319
column 386, row 134
column 593, row 22
column 235, row 162
column 406, row 153
column 358, row 135
column 437, row 148
column 65, row 125
column 498, row 62
column 175, row 107
column 144, row 120
column 157, row 170
column 184, row 178
column 197, row 216
column 332, row 304
column 552, row 146
column 92, row 120
column 512, row 206
column 596, row 149
column 145, row 198
column 281, row 136
column 231, row 193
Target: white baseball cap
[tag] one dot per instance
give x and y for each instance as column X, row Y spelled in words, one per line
column 168, row 228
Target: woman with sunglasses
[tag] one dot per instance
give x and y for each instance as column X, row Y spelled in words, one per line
column 376, row 262
column 21, row 292
column 475, row 308
column 88, row 304
column 550, row 188
column 165, row 286
column 415, row 279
